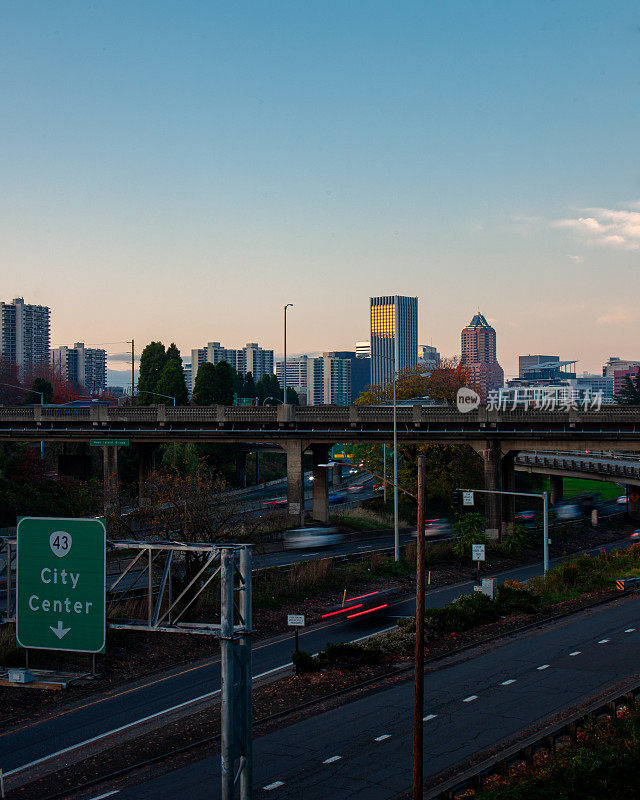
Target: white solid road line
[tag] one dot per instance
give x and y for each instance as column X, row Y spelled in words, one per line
column 470, row 698
column 575, row 653
column 107, row 794
column 273, row 785
column 630, row 630
column 544, row 666
column 382, row 738
column 332, row 759
column 507, row 682
column 428, row 717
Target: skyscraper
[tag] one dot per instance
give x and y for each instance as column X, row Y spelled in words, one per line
column 250, row 358
column 25, row 335
column 479, row 355
column 394, row 335
column 85, row 367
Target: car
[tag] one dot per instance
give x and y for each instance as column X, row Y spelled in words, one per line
column 439, row 528
column 635, row 534
column 622, row 500
column 378, row 487
column 525, row 516
column 311, row 538
column 282, row 501
column 353, row 471
column 338, row 497
column 358, row 488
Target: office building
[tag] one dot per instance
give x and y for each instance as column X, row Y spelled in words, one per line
column 84, row 367
column 363, row 349
column 321, row 380
column 251, row 358
column 597, row 384
column 618, row 364
column 25, row 337
column 428, row 357
column 394, row 336
column 478, row 341
column 620, row 377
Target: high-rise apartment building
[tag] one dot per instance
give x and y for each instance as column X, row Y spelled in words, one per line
column 85, row 367
column 479, row 355
column 250, row 358
column 25, row 337
column 323, row 380
column 394, row 335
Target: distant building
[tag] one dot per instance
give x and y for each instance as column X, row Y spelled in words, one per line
column 25, row 336
column 428, row 357
column 321, row 380
column 596, row 383
column 620, row 376
column 479, row 355
column 363, row 349
column 544, row 369
column 618, row 364
column 359, row 375
column 186, row 368
column 251, row 358
column 115, row 391
column 81, row 366
column 394, row 335
column 526, row 363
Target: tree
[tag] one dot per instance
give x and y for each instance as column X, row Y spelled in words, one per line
column 205, row 388
column 152, row 362
column 629, row 395
column 9, row 374
column 43, row 386
column 225, row 388
column 444, row 382
column 292, row 396
column 173, row 354
column 172, row 383
column 249, row 388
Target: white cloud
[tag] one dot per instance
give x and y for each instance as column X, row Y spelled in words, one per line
column 605, row 226
column 617, row 316
column 577, row 259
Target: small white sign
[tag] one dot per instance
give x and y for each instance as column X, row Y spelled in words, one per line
column 477, row 552
column 295, row 620
column 467, row 498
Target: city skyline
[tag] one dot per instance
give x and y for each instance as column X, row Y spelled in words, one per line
column 166, row 167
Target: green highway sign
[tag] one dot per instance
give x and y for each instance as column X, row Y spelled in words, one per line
column 109, row 443
column 60, row 584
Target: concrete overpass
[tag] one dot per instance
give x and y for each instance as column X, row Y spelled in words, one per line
column 496, row 435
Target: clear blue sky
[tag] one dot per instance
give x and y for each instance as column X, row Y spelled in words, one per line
column 180, row 170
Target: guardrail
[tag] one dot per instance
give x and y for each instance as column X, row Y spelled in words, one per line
column 524, row 752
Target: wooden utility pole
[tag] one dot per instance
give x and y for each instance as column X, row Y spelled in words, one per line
column 418, row 707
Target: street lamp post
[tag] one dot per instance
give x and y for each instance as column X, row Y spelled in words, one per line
column 284, row 363
column 33, row 391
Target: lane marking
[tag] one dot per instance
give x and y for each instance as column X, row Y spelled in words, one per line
column 107, row 794
column 382, row 738
column 630, row 630
column 428, row 717
column 470, row 698
column 332, row 759
column 273, row 785
column 575, row 653
column 604, row 641
column 544, row 666
column 507, row 682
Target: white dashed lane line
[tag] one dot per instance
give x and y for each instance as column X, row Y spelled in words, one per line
column 106, row 794
column 382, row 738
column 507, row 682
column 604, row 641
column 630, row 630
column 544, row 666
column 274, row 785
column 428, row 717
column 332, row 759
column 575, row 653
column 470, row 698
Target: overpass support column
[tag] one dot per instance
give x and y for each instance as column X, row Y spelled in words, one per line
column 111, row 481
column 508, row 485
column 145, row 468
column 336, row 477
column 241, row 468
column 320, row 510
column 493, row 480
column 294, row 449
column 555, row 487
column 633, row 501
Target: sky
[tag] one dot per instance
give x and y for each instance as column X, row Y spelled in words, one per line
column 178, row 171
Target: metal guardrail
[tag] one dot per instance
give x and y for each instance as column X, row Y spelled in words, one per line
column 524, row 752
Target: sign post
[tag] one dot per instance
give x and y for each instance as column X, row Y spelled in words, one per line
column 60, row 584
column 477, row 554
column 295, row 621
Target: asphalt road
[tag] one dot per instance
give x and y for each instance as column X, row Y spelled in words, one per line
column 125, row 705
column 363, row 749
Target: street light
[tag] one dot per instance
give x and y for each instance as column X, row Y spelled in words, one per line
column 33, row 391
column 284, row 363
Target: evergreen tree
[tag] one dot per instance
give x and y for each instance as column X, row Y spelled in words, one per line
column 173, row 353
column 249, row 388
column 225, row 389
column 152, row 362
column 40, row 385
column 172, row 383
column 205, row 388
column 238, row 384
column 292, row 396
column 629, row 395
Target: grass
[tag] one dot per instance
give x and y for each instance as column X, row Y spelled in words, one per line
column 365, row 519
column 575, row 486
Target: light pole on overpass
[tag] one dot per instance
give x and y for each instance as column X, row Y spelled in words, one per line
column 284, row 363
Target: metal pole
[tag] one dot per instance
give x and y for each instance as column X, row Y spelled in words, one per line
column 384, row 472
column 284, row 363
column 396, row 538
column 418, row 694
column 133, row 373
column 246, row 777
column 226, row 690
column 150, row 586
column 545, row 530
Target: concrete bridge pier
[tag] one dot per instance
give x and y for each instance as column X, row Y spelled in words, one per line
column 555, row 489
column 111, row 480
column 508, row 467
column 336, row 477
column 146, row 464
column 493, row 480
column 633, row 501
column 294, row 448
column 320, row 508
column 241, row 468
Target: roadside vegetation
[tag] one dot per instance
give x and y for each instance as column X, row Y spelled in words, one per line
column 366, row 519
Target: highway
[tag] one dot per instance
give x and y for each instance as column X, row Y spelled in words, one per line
column 363, row 749
column 187, row 685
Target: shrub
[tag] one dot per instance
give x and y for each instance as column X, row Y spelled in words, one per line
column 514, row 598
column 516, row 541
column 304, row 662
column 349, row 655
column 467, row 611
column 469, row 530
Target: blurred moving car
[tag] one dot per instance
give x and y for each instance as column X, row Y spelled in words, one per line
column 358, row 488
column 635, row 534
column 568, row 512
column 440, row 528
column 303, row 538
column 338, row 497
column 281, row 501
column 622, row 500
column 525, row 516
